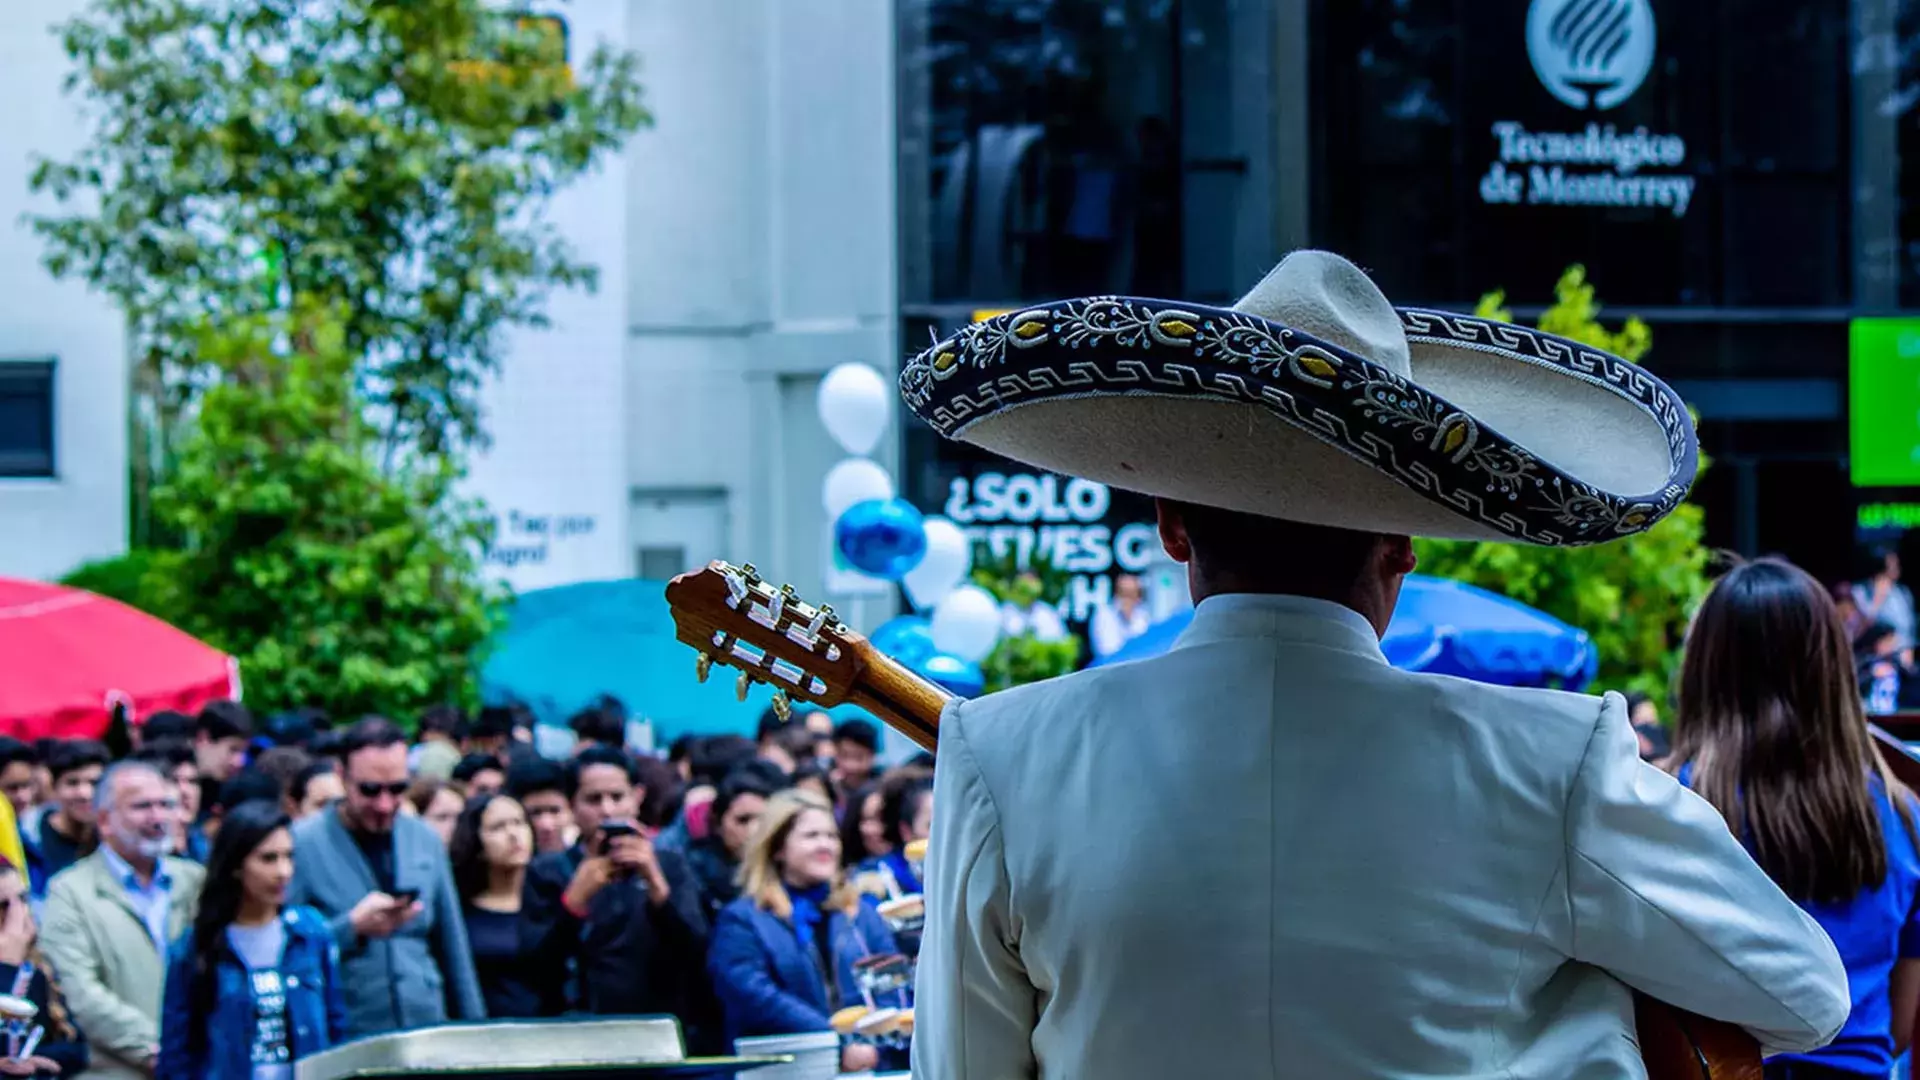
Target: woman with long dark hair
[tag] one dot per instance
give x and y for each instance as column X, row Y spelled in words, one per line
column 492, row 845
column 255, row 985
column 1770, row 731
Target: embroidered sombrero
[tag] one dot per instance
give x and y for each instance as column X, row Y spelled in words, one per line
column 1313, row 399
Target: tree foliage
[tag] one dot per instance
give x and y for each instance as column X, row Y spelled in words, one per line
column 391, row 160
column 332, row 580
column 1024, row 658
column 1634, row 596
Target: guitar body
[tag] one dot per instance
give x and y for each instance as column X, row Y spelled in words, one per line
column 735, row 619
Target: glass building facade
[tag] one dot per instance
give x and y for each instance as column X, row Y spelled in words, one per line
column 1732, row 172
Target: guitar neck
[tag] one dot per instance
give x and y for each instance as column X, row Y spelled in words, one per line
column 904, row 701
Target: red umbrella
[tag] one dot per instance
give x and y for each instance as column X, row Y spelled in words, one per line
column 68, row 656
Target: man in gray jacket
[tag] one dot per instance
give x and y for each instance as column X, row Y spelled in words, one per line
column 383, row 881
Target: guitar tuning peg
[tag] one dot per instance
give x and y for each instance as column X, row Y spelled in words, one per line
column 740, row 688
column 782, row 705
column 703, row 667
column 750, row 572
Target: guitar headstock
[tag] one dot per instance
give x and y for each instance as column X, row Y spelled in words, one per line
column 738, row 620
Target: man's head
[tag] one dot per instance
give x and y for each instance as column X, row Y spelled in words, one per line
column 374, row 768
column 220, row 738
column 17, row 761
column 855, row 742
column 178, row 763
column 491, row 732
column 1227, row 551
column 541, row 787
column 599, row 724
column 167, row 724
column 480, row 774
column 136, row 808
column 76, row 766
column 1126, row 590
column 906, row 809
column 442, row 723
column 716, row 756
column 600, row 788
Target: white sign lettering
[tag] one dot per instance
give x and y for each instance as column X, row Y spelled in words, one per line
column 1547, row 168
column 1054, row 519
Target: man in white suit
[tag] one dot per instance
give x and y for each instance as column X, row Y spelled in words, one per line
column 1268, row 852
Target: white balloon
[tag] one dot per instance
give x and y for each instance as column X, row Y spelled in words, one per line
column 949, row 557
column 966, row 623
column 854, row 404
column 854, row 480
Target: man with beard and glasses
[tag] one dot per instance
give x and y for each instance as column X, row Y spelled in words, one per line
column 382, row 879
column 110, row 916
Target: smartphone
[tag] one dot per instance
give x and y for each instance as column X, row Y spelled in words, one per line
column 405, row 897
column 611, row 830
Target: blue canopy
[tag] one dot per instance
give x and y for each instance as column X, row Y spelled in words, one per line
column 563, row 647
column 1450, row 628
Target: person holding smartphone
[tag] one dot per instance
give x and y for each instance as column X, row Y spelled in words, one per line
column 624, row 915
column 383, row 882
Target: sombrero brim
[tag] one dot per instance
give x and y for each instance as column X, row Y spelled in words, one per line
column 1499, row 433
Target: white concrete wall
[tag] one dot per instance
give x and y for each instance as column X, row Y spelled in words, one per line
column 49, row 526
column 761, row 253
column 554, row 474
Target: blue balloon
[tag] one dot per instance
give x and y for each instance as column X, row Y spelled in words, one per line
column 962, row 677
column 882, row 537
column 906, row 638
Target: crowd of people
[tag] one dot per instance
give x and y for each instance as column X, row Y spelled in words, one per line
column 216, row 897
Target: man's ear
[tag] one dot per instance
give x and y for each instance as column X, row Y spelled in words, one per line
column 1396, row 555
column 1173, row 531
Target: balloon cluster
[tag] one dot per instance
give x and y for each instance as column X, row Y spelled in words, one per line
column 885, row 536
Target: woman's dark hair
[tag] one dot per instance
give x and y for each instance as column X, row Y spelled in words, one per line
column 902, row 793
column 244, row 828
column 853, row 844
column 1770, row 718
column 664, row 791
column 466, row 851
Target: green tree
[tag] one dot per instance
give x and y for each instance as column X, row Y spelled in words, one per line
column 391, row 160
column 1633, row 596
column 332, row 580
column 1023, row 658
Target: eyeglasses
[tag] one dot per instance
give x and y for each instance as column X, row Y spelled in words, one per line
column 372, row 790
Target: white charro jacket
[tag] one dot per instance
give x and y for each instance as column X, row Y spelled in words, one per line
column 1270, row 854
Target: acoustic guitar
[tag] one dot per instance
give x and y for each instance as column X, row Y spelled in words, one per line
column 768, row 635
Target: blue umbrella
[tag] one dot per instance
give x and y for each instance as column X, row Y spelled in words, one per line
column 1450, row 628
column 563, row 647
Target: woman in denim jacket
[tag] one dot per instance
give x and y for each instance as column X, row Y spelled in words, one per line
column 254, row 986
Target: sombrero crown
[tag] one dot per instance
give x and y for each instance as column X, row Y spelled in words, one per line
column 1314, row 399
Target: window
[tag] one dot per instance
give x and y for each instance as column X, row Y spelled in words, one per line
column 26, row 418
column 1746, row 115
column 1069, row 147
